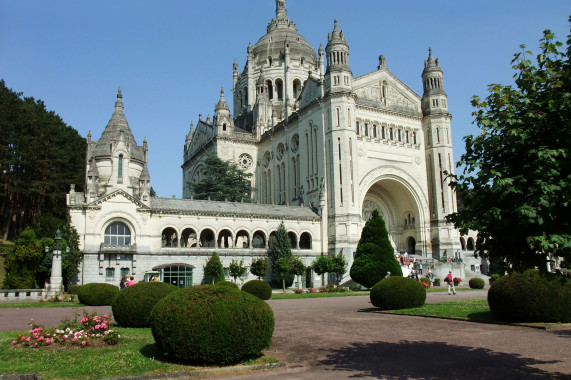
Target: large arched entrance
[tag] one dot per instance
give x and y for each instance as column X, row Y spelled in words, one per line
column 398, row 204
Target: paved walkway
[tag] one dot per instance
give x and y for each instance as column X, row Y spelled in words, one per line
column 333, row 338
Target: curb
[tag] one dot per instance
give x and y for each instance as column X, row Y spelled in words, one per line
column 234, row 370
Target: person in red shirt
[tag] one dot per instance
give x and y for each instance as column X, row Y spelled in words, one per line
column 450, row 280
column 131, row 281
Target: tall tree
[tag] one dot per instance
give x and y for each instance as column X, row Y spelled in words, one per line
column 22, row 262
column 280, row 247
column 222, row 180
column 40, row 156
column 516, row 183
column 375, row 254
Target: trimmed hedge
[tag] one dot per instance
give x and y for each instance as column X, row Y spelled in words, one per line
column 97, row 294
column 531, row 297
column 398, row 293
column 476, row 283
column 212, row 325
column 132, row 306
column 259, row 288
column 227, row 283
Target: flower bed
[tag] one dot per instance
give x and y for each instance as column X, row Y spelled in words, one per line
column 90, row 330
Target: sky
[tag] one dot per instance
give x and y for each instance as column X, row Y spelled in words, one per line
column 171, row 58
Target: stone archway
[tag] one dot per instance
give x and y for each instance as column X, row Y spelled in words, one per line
column 394, row 198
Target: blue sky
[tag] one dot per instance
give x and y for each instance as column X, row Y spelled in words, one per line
column 172, row 57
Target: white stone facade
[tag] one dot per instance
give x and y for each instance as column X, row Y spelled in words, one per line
column 324, row 148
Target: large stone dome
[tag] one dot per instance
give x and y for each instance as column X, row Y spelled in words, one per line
column 280, row 30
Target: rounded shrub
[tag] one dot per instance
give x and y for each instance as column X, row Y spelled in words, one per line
column 531, row 297
column 398, row 293
column 259, row 288
column 132, row 306
column 227, row 283
column 212, row 325
column 97, row 294
column 476, row 283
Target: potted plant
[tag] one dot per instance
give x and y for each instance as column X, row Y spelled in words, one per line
column 436, row 282
column 457, row 280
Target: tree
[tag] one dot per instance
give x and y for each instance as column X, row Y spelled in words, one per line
column 280, row 247
column 339, row 266
column 516, row 182
column 259, row 267
column 297, row 267
column 375, row 255
column 22, row 261
column 323, row 264
column 280, row 269
column 237, row 269
column 40, row 156
column 213, row 270
column 222, row 180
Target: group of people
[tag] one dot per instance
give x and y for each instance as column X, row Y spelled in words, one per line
column 127, row 281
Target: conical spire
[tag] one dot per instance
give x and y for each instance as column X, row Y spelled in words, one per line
column 222, row 105
column 431, row 63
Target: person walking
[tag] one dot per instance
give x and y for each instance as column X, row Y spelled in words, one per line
column 420, row 267
column 450, row 280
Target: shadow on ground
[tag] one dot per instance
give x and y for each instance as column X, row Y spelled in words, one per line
column 433, row 360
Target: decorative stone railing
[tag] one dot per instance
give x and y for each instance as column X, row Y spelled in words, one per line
column 21, row 295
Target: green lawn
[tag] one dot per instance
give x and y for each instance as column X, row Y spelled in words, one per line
column 288, row 296
column 28, row 304
column 476, row 310
column 136, row 355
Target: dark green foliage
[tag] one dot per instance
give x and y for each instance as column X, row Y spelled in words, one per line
column 259, row 267
column 97, row 294
column 375, row 255
column 237, row 269
column 74, row 289
column 323, row 264
column 213, row 270
column 227, row 283
column 132, row 306
column 476, row 283
column 516, row 184
column 531, row 297
column 40, row 157
column 280, row 247
column 222, row 180
column 339, row 266
column 22, row 262
column 212, row 325
column 260, row 289
column 398, row 293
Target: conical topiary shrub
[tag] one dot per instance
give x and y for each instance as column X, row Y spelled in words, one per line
column 375, row 254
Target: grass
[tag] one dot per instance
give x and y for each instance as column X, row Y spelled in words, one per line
column 476, row 310
column 137, row 354
column 28, row 304
column 288, row 296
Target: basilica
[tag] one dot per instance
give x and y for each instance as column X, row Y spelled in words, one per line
column 324, row 148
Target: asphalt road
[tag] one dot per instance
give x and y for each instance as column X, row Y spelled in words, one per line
column 337, row 338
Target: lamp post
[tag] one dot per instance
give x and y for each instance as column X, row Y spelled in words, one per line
column 56, row 280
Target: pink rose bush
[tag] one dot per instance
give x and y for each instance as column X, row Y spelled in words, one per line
column 90, row 329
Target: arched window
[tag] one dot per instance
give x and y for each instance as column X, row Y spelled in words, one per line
column 470, row 244
column 259, row 240
column 117, row 233
column 188, row 238
column 169, row 238
column 207, row 238
column 225, row 239
column 280, row 89
column 292, row 239
column 305, row 241
column 242, row 239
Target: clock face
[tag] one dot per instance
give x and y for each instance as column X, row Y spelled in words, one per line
column 280, row 151
column 295, row 143
column 266, row 159
column 245, row 161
